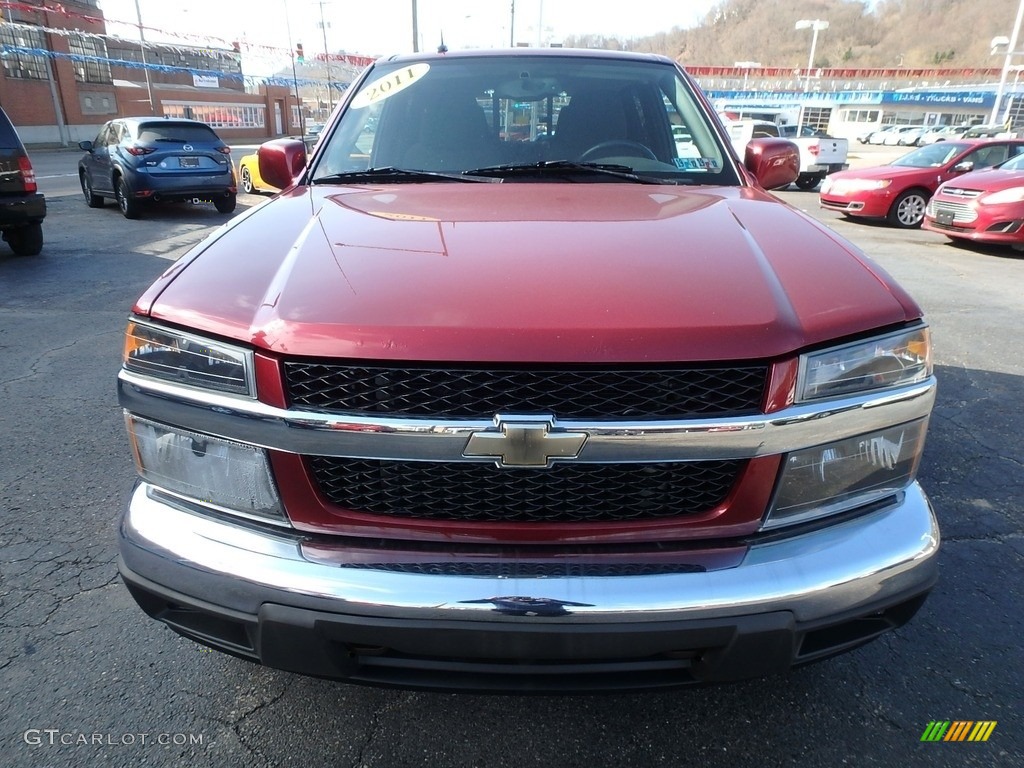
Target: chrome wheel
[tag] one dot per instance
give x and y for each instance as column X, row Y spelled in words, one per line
column 908, row 210
column 247, row 186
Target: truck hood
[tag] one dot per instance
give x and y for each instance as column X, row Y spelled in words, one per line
column 527, row 273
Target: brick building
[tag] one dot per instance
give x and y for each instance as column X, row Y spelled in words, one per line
column 62, row 77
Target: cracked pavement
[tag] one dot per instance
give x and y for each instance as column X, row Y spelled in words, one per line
column 77, row 655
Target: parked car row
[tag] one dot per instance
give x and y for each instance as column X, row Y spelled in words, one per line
column 906, row 135
column 921, row 135
column 969, row 202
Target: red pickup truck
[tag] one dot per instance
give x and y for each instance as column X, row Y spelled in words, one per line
column 564, row 407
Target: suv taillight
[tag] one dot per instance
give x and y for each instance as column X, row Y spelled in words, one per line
column 224, row 150
column 136, row 150
column 28, row 176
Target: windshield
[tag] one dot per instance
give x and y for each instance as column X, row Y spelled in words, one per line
column 1013, row 164
column 932, row 156
column 530, row 112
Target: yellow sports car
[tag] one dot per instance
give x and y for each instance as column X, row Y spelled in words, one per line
column 249, row 180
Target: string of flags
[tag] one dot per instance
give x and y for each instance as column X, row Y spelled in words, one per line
column 78, row 57
column 212, row 46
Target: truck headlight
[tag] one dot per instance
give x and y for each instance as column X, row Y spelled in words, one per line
column 884, row 362
column 208, row 470
column 165, row 353
column 845, row 474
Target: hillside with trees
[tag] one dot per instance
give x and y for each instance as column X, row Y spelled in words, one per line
column 888, row 33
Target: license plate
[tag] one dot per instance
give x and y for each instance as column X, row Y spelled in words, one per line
column 188, row 162
column 944, row 217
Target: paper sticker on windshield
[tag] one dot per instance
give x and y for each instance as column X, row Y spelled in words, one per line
column 696, row 163
column 389, row 85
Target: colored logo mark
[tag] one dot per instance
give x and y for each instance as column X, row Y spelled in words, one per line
column 958, row 730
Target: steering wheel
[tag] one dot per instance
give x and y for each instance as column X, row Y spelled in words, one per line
column 627, row 147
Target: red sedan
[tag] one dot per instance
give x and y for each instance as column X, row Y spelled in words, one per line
column 985, row 206
column 899, row 191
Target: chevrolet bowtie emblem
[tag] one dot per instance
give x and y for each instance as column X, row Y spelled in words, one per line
column 525, row 442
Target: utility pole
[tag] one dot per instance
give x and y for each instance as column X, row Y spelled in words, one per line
column 327, row 59
column 142, row 49
column 295, row 76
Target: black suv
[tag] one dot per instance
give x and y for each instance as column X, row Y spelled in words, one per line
column 22, row 208
column 136, row 160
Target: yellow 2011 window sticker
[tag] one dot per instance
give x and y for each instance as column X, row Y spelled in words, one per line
column 389, row 85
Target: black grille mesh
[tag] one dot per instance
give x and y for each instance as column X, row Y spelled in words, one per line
column 470, row 492
column 606, row 394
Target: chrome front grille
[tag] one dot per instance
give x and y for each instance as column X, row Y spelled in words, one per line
column 969, row 194
column 962, row 213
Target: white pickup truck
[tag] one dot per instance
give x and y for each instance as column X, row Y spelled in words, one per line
column 820, row 154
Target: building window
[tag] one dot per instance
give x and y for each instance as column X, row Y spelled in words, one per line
column 94, row 67
column 218, row 115
column 860, row 116
column 25, row 66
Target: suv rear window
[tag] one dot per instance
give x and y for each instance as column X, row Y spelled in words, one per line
column 8, row 136
column 176, row 132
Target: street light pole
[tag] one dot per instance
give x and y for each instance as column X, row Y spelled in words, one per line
column 415, row 28
column 1011, row 49
column 815, row 25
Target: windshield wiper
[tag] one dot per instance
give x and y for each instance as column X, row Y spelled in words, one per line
column 566, row 168
column 396, row 174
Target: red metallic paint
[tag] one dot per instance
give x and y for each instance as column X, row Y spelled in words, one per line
column 878, row 202
column 529, row 273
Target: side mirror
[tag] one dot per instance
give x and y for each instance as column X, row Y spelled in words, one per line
column 281, row 161
column 85, row 146
column 775, row 163
column 964, row 167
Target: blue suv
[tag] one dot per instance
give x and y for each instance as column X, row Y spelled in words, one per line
column 137, row 160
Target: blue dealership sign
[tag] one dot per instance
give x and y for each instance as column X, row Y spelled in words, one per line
column 941, row 98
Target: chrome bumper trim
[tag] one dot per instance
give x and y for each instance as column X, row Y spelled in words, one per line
column 311, row 433
column 815, row 575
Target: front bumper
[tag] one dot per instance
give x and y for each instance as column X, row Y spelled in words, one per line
column 485, row 618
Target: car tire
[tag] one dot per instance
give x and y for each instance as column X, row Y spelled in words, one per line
column 809, row 182
column 129, row 206
column 91, row 198
column 225, row 204
column 27, row 240
column 247, row 185
column 907, row 211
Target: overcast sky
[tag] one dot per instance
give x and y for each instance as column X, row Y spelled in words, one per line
column 374, row 27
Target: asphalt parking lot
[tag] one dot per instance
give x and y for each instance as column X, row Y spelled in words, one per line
column 90, row 680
